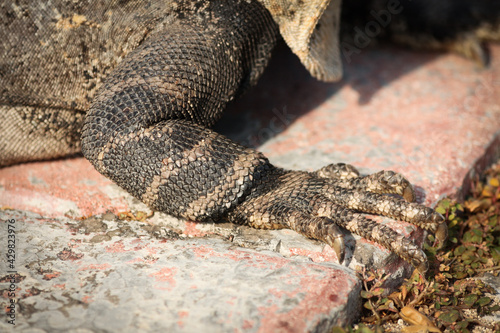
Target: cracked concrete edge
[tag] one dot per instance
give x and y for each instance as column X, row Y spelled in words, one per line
column 69, row 278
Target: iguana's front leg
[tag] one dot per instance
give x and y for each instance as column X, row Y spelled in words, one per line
column 148, row 131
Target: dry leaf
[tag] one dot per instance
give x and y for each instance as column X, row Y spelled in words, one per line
column 494, row 182
column 487, row 192
column 404, row 292
column 477, row 205
column 419, row 321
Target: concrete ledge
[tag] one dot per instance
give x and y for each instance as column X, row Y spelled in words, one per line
column 432, row 117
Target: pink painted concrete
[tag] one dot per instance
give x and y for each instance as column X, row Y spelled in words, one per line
column 432, row 117
column 165, row 284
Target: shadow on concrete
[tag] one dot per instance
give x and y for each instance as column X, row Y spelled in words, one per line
column 286, row 91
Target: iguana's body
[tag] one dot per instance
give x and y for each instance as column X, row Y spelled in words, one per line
column 154, row 77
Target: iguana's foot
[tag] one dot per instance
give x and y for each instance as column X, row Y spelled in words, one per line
column 316, row 204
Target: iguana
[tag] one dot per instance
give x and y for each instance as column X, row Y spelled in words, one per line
column 136, row 86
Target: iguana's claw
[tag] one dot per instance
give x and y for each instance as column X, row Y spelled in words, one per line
column 337, row 243
column 441, row 232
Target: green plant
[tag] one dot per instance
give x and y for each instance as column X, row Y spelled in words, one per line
column 453, row 291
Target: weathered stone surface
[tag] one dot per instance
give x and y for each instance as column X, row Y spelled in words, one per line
column 140, row 279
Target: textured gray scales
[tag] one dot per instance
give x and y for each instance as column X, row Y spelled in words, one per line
column 136, row 86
